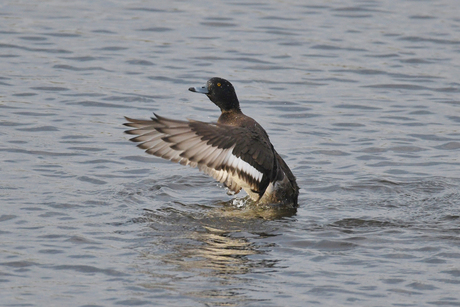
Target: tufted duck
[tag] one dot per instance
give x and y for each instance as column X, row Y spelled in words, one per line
column 235, row 151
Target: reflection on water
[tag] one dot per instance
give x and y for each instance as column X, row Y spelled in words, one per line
column 222, row 254
column 216, row 251
column 360, row 97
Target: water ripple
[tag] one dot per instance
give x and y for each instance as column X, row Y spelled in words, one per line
column 360, row 99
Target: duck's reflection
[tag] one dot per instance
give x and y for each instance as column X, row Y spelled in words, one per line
column 211, row 257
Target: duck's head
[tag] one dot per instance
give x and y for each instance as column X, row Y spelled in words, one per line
column 221, row 92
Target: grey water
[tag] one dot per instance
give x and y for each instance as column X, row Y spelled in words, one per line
column 361, row 98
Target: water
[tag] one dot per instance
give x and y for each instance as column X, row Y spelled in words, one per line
column 361, row 98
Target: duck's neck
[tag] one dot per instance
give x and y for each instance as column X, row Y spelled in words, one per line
column 230, row 117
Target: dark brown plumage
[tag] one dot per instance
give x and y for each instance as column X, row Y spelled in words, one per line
column 235, row 151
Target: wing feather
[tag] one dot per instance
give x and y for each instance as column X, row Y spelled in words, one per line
column 215, row 149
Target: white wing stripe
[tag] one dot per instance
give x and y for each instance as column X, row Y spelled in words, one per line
column 241, row 165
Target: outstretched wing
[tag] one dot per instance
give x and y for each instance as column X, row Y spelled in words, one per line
column 216, row 149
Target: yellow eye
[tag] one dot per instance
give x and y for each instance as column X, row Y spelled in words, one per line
column 218, row 84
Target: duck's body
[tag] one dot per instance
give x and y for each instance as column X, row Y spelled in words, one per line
column 235, row 151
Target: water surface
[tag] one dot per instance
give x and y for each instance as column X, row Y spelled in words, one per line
column 361, row 98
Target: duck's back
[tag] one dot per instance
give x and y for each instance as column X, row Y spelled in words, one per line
column 280, row 184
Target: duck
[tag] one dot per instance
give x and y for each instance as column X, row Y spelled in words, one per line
column 235, row 150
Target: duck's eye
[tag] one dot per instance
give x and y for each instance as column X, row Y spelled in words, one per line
column 218, row 84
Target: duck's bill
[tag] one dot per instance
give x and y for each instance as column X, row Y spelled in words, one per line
column 202, row 90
